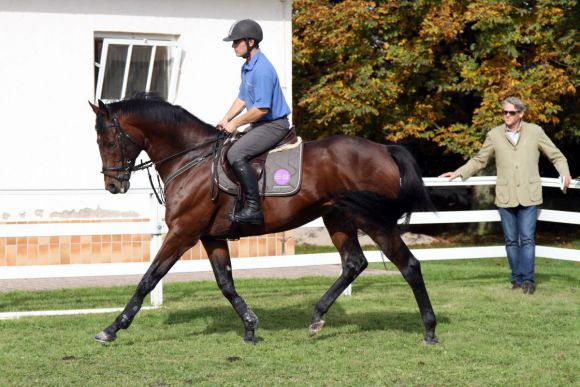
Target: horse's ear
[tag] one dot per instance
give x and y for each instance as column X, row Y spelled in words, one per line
column 103, row 107
column 94, row 107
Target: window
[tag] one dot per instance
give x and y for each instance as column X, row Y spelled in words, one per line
column 126, row 66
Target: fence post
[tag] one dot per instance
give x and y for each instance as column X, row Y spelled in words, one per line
column 155, row 245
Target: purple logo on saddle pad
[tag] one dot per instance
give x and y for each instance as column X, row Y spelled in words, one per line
column 282, row 176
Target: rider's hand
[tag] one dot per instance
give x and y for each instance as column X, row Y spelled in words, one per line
column 220, row 125
column 450, row 175
column 229, row 127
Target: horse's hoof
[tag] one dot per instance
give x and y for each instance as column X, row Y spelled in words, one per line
column 250, row 341
column 104, row 337
column 430, row 341
column 315, row 328
column 250, row 338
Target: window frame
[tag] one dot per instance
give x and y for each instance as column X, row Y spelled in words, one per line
column 131, row 42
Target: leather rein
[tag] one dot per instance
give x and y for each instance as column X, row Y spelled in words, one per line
column 129, row 166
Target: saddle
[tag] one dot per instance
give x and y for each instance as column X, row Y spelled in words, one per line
column 257, row 163
column 278, row 171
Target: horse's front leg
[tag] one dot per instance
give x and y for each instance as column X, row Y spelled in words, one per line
column 171, row 250
column 219, row 257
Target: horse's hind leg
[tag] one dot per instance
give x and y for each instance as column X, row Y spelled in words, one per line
column 397, row 251
column 219, row 257
column 344, row 236
column 171, row 250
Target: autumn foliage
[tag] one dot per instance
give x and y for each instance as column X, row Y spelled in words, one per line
column 433, row 70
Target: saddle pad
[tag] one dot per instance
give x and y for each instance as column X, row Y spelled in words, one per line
column 282, row 173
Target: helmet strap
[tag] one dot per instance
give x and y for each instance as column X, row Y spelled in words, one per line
column 248, row 48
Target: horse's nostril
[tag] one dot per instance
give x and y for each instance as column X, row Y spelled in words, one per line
column 112, row 188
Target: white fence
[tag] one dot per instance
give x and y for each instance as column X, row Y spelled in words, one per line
column 156, row 227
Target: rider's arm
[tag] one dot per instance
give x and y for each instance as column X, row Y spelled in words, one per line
column 233, row 111
column 252, row 115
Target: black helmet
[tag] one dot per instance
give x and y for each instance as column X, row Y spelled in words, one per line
column 245, row 29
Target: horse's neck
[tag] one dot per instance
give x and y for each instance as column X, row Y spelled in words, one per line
column 164, row 141
column 193, row 134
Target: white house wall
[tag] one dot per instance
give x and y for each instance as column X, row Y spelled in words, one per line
column 47, row 76
column 47, row 140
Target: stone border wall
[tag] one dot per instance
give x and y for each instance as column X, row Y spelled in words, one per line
column 64, row 250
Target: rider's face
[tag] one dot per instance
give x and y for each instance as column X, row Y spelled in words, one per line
column 239, row 47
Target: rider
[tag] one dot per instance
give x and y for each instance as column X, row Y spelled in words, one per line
column 266, row 112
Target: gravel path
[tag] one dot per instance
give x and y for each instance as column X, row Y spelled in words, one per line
column 81, row 282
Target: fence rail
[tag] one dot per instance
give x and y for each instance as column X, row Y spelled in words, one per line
column 155, row 227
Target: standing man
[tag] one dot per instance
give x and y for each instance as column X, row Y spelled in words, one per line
column 266, row 112
column 518, row 192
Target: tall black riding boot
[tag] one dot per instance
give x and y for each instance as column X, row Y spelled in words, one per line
column 252, row 214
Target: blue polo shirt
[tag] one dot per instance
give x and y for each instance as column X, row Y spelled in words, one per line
column 260, row 88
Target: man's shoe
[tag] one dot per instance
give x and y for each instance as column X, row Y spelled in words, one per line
column 528, row 287
column 516, row 285
column 250, row 215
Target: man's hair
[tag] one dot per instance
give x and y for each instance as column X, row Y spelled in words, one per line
column 520, row 106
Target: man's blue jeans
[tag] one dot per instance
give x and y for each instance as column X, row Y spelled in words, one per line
column 519, row 229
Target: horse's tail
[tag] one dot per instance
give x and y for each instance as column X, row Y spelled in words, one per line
column 413, row 195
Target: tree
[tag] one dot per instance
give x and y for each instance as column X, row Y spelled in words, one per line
column 433, row 70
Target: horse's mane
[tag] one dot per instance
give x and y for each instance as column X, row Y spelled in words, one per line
column 153, row 107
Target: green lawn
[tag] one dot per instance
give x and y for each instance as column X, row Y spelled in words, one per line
column 447, row 239
column 488, row 334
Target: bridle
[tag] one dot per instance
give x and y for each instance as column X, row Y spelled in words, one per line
column 122, row 138
column 129, row 166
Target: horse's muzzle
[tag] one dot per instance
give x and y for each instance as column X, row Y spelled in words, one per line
column 116, row 186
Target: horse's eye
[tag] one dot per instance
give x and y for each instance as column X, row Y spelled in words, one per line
column 111, row 144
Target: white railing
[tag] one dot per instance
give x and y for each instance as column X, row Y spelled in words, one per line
column 156, row 228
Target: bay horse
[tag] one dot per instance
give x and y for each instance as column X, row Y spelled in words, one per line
column 352, row 183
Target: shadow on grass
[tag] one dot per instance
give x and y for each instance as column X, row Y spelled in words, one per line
column 563, row 278
column 503, row 276
column 222, row 319
column 469, row 278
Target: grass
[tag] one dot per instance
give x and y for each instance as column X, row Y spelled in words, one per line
column 448, row 239
column 488, row 334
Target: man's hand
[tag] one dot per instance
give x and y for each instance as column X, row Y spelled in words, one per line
column 567, row 181
column 450, row 175
column 226, row 125
column 231, row 114
column 252, row 115
column 222, row 123
column 229, row 127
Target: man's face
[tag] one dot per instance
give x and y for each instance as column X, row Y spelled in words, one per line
column 511, row 115
column 240, row 47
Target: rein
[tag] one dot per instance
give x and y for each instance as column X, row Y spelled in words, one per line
column 129, row 166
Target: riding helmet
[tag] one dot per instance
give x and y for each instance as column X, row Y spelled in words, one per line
column 245, row 29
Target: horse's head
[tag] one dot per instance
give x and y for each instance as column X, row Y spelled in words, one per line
column 117, row 148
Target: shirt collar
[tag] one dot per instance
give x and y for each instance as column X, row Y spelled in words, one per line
column 518, row 129
column 250, row 65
